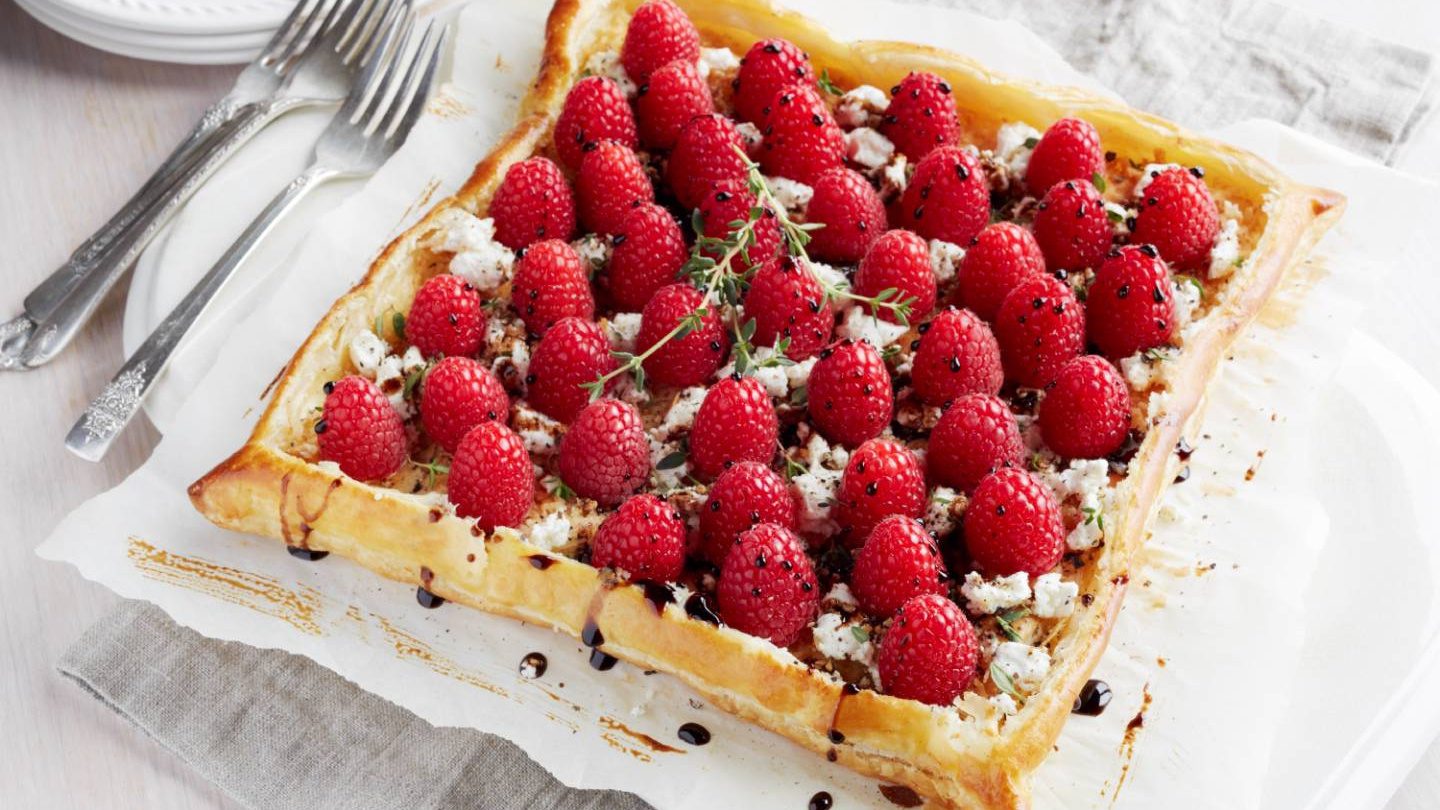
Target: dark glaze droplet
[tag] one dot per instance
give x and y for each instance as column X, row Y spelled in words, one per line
column 1183, row 475
column 658, row 594
column 1093, row 698
column 591, row 634
column 427, row 599
column 694, row 734
column 307, row 554
column 541, row 561
column 901, row 796
column 821, row 801
column 697, row 608
column 1183, row 450
column 535, row 663
column 601, row 660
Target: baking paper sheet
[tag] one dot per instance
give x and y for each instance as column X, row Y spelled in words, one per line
column 1229, row 636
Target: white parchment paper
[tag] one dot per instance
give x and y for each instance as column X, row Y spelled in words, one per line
column 1205, row 655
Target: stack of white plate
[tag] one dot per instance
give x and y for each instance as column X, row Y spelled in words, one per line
column 196, row 32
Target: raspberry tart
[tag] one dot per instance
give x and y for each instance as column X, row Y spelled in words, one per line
column 838, row 380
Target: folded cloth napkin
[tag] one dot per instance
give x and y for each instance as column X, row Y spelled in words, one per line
column 278, row 731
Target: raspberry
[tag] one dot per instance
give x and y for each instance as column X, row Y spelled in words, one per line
column 595, row 110
column 605, row 455
column 648, row 254
column 645, row 537
column 1071, row 226
column 957, row 355
column 770, row 65
column 687, row 360
column 999, row 257
column 930, row 652
column 921, row 116
column 882, row 478
column 730, row 201
column 446, row 318
column 1069, row 150
column 572, row 353
column 898, row 562
column 610, row 182
column 672, row 95
column 360, row 430
column 1086, row 413
column 1013, row 524
column 1178, row 216
column 767, row 585
column 802, row 140
column 457, row 395
column 1039, row 326
column 852, row 213
column 551, row 282
column 704, row 156
column 898, row 260
column 975, row 436
column 849, row 394
column 1130, row 306
column 491, row 479
column 659, row 32
column 786, row 301
column 736, row 422
column 532, row 203
column 745, row 495
column 948, row 198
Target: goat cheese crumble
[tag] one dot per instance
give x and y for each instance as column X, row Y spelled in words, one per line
column 818, row 483
column 479, row 258
column 717, row 61
column 990, row 596
column 607, row 64
column 1027, row 666
column 945, row 259
column 860, row 325
column 836, row 638
column 868, row 148
column 1011, row 149
column 549, row 532
column 1054, row 597
column 857, row 106
column 792, row 194
column 622, row 330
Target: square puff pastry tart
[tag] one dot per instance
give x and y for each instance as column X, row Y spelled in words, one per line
column 962, row 755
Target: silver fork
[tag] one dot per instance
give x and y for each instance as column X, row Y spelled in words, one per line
column 330, row 41
column 373, row 122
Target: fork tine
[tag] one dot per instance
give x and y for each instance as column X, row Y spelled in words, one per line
column 412, row 95
column 386, row 85
column 363, row 46
column 338, row 28
column 305, row 39
column 372, row 83
column 299, row 18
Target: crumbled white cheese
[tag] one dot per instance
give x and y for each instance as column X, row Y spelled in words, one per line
column 458, row 230
column 774, row 378
column 607, row 64
column 390, row 378
column 1150, row 172
column 549, row 532
column 672, row 477
column 983, row 711
column 1011, row 149
column 1085, row 535
column 332, row 467
column 485, row 270
column 837, row 639
column 860, row 325
column 717, row 61
column 1005, row 704
column 681, row 416
column 792, row 194
column 412, row 361
column 520, row 357
column 1225, row 253
column 622, row 330
column 1027, row 666
column 1090, row 480
column 894, row 178
column 479, row 258
column 593, row 249
column 1187, row 301
column 1119, row 217
column 539, row 433
column 799, row 374
column 1054, row 597
column 367, row 350
column 842, row 597
column 988, row 596
column 856, row 107
column 750, row 134
column 829, row 276
column 625, row 390
column 1138, row 371
column 938, row 520
column 945, row 259
column 1158, row 403
column 817, row 484
column 868, row 148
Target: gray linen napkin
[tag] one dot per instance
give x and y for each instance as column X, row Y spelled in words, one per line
column 278, row 731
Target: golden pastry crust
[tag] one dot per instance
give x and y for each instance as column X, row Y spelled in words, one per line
column 268, row 488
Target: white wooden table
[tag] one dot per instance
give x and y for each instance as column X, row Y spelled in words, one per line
column 79, row 131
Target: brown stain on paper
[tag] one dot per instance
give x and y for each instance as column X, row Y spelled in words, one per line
column 1127, row 743
column 1283, row 308
column 410, row 648
column 614, row 739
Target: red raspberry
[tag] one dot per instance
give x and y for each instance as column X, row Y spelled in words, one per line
column 849, row 394
column 687, row 360
column 999, row 257
column 786, row 301
column 736, row 422
column 491, row 479
column 1130, row 306
column 1013, row 524
column 604, row 455
column 704, row 156
column 457, row 395
column 958, row 355
column 645, row 537
column 673, row 95
column 1178, row 216
column 852, row 213
column 360, row 430
column 648, row 254
column 770, row 65
column 1069, row 150
column 929, row 653
column 948, row 198
column 898, row 260
column 611, row 181
column 572, row 353
column 659, row 32
column 802, row 140
column 975, row 436
column 1039, row 326
column 882, row 478
column 729, row 201
column 899, row 561
column 767, row 585
column 595, row 110
column 747, row 494
column 921, row 116
column 532, row 203
column 551, row 282
column 1086, row 413
column 1071, row 226
column 446, row 317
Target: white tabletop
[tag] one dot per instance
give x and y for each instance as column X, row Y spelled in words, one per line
column 81, row 130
